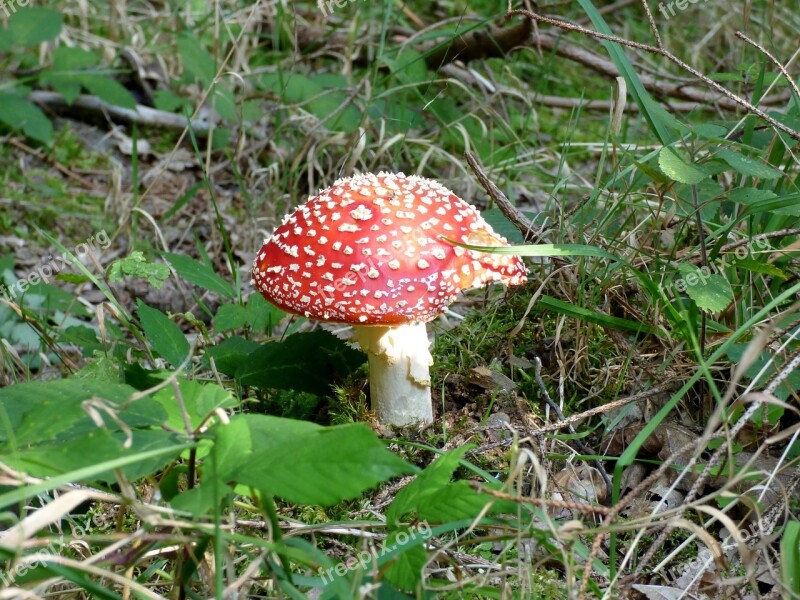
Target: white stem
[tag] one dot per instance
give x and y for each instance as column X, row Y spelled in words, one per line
column 399, row 372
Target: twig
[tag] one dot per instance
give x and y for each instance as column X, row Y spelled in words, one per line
column 537, row 370
column 520, row 221
column 653, row 391
column 652, row 23
column 661, row 52
column 542, row 502
column 51, row 161
column 142, row 115
column 774, row 60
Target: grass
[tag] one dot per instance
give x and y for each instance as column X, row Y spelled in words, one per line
column 186, row 506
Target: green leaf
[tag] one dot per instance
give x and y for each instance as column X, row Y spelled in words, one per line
column 196, row 59
column 88, row 473
column 709, row 131
column 67, row 64
column 230, row 316
column 327, row 464
column 164, row 335
column 30, row 407
column 261, row 315
column 548, row 303
column 435, row 476
column 231, row 354
column 136, row 265
column 94, row 419
column 19, row 114
column 306, row 362
column 502, row 226
column 33, row 25
column 405, row 570
column 674, row 167
column 433, row 498
column 748, row 166
column 200, row 500
column 760, row 267
column 199, row 400
column 70, row 59
column 199, row 274
column 710, row 291
column 790, row 557
column 751, row 195
column 107, row 89
column 48, row 460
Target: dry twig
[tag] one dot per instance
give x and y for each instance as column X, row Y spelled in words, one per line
column 661, row 51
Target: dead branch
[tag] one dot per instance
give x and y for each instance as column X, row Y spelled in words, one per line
column 661, row 51
column 142, row 115
column 497, row 41
column 520, row 221
column 542, row 502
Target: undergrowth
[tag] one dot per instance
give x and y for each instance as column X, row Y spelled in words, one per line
column 628, row 418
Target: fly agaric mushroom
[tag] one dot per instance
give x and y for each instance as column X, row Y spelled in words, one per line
column 372, row 251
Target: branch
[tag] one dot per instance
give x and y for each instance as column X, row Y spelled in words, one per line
column 143, row 115
column 666, row 54
column 520, row 221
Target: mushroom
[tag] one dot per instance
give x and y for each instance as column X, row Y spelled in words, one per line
column 373, row 251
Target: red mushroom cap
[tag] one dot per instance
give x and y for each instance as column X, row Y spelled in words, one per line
column 369, row 251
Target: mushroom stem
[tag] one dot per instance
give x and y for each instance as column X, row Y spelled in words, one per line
column 399, row 372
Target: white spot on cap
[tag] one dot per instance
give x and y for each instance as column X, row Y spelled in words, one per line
column 362, row 213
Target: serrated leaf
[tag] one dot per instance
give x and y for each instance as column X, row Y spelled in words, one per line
column 136, row 265
column 436, row 475
column 164, row 335
column 230, row 316
column 432, row 497
column 32, row 25
column 677, row 169
column 405, row 570
column 710, row 291
column 760, row 267
column 748, row 166
column 328, row 464
column 262, row 315
column 307, row 362
column 199, row 274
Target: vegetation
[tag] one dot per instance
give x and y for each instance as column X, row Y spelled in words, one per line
column 626, row 423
